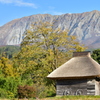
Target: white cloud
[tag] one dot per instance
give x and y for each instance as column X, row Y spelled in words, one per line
column 19, row 3
column 57, row 13
column 53, row 12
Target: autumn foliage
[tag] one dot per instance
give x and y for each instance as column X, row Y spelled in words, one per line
column 26, row 91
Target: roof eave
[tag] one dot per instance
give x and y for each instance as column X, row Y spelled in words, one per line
column 78, row 77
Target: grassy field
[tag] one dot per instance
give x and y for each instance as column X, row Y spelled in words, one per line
column 73, row 98
column 64, row 98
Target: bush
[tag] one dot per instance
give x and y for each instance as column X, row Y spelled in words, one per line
column 8, row 87
column 26, row 92
column 3, row 93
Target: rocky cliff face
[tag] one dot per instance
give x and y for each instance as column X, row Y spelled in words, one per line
column 86, row 26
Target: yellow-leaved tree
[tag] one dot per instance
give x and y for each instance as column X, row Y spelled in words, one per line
column 43, row 49
column 6, row 66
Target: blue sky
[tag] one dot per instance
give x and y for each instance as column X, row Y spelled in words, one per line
column 13, row 9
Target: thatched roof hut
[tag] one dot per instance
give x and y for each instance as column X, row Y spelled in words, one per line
column 77, row 76
column 80, row 66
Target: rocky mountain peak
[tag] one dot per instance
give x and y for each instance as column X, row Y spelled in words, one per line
column 86, row 26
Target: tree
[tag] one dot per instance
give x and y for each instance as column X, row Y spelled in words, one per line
column 9, row 79
column 96, row 55
column 6, row 66
column 43, row 49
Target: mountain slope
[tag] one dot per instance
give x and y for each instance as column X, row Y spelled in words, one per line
column 86, row 26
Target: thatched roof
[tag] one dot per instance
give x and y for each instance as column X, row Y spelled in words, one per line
column 80, row 66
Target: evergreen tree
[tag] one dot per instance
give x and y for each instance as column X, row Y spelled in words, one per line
column 96, row 55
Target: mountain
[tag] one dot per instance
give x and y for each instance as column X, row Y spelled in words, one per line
column 86, row 26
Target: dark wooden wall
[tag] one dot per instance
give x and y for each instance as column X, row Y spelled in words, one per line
column 75, row 87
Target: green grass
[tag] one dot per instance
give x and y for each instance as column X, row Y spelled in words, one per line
column 64, row 98
column 73, row 98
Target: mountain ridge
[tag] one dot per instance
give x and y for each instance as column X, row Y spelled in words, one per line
column 86, row 26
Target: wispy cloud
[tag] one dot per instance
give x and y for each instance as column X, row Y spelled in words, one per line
column 51, row 10
column 19, row 3
column 57, row 13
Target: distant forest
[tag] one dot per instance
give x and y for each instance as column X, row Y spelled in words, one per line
column 9, row 50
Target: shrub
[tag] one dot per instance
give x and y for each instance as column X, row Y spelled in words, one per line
column 3, row 93
column 26, row 92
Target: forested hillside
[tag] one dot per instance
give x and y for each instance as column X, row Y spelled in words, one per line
column 8, row 51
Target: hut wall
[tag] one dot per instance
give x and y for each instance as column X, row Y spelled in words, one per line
column 97, row 87
column 91, row 87
column 75, row 87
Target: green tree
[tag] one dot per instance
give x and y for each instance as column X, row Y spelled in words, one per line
column 96, row 55
column 9, row 79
